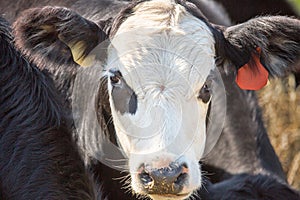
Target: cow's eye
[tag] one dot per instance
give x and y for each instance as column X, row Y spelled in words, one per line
column 116, row 78
column 205, row 93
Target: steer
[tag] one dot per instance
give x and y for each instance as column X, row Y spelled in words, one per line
column 157, row 56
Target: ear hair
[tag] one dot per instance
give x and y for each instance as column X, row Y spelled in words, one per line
column 228, row 56
column 277, row 36
column 55, row 33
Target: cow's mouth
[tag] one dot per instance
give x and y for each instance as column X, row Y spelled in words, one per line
column 170, row 196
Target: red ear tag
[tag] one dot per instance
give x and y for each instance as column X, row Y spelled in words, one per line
column 250, row 77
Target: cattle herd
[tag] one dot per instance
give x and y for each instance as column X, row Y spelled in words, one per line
column 142, row 99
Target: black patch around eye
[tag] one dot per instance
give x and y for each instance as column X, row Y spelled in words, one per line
column 205, row 93
column 124, row 98
column 133, row 103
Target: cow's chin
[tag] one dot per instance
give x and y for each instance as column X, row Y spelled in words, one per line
column 180, row 196
column 170, row 197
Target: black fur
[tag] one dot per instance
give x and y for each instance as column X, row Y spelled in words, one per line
column 241, row 11
column 243, row 148
column 248, row 187
column 260, row 187
column 64, row 72
column 277, row 36
column 60, row 26
column 38, row 157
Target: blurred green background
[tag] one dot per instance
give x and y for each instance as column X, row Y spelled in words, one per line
column 297, row 4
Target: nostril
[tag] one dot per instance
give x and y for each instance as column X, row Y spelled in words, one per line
column 181, row 179
column 184, row 166
column 146, row 179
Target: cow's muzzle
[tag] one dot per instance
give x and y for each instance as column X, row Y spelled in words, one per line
column 169, row 180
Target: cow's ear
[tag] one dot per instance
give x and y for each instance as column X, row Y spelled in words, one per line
column 264, row 45
column 57, row 35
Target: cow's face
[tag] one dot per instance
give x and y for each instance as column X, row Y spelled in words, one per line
column 157, row 64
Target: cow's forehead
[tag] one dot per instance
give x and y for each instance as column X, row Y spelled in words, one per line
column 162, row 44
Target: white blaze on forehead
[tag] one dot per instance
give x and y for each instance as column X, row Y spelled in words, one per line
column 162, row 44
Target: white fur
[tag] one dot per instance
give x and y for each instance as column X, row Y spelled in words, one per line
column 164, row 54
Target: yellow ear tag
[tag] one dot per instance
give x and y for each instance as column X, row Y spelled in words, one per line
column 48, row 28
column 77, row 51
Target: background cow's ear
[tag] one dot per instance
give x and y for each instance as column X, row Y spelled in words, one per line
column 58, row 35
column 275, row 40
column 260, row 47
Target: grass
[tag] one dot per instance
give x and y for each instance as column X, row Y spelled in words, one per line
column 296, row 3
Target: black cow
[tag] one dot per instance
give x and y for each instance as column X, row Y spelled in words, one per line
column 38, row 157
column 50, row 35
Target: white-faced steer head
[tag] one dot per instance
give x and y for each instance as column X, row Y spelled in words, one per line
column 160, row 55
column 155, row 75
